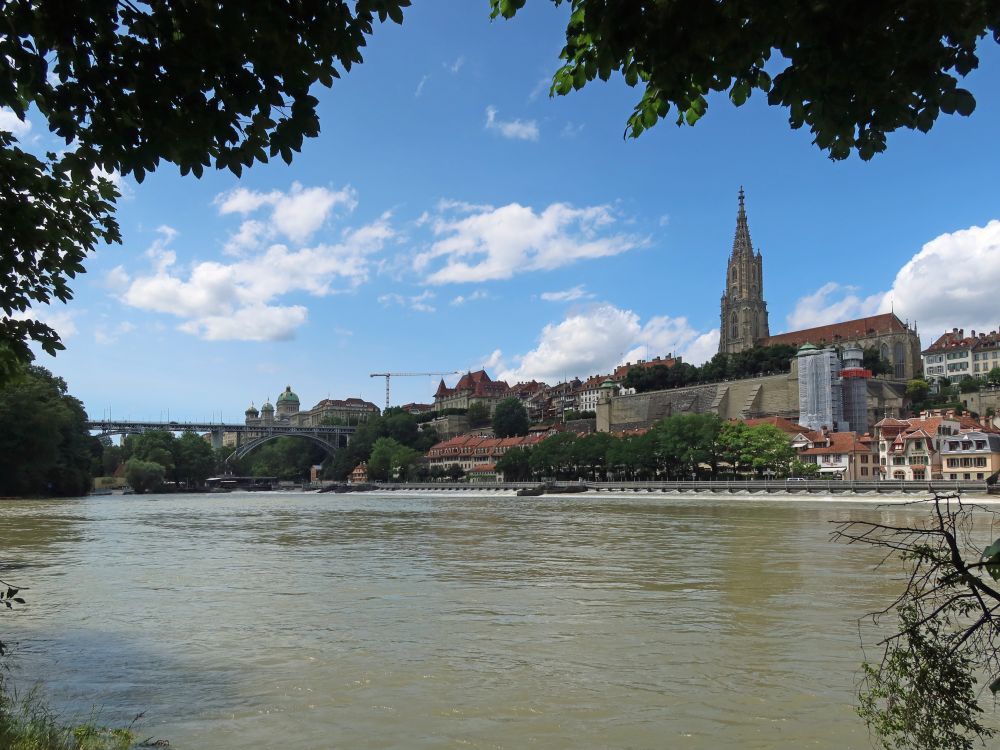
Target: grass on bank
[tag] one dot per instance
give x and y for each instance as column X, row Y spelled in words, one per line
column 26, row 723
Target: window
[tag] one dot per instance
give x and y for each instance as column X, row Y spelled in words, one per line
column 734, row 327
column 864, row 471
column 899, row 460
column 919, row 474
column 981, row 461
column 864, row 459
column 980, row 445
column 897, row 359
column 918, row 445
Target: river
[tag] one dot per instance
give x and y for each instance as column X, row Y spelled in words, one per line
column 300, row 621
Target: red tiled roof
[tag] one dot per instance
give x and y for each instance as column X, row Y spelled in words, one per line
column 849, row 329
column 956, row 339
column 838, row 442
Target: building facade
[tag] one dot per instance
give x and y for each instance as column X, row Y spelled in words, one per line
column 743, row 321
column 970, row 455
column 954, row 355
column 349, row 411
column 473, row 387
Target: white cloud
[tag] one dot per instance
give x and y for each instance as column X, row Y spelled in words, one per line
column 524, row 130
column 420, row 302
column 567, row 295
column 598, row 339
column 474, row 297
column 105, row 335
column 252, row 323
column 295, row 215
column 832, row 303
column 951, row 282
column 420, row 86
column 117, row 278
column 233, row 300
column 454, row 67
column 497, row 243
column 10, row 122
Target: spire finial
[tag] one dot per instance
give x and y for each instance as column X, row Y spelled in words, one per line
column 741, row 197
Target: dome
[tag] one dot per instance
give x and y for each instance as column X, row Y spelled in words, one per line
column 251, row 410
column 609, row 384
column 267, row 406
column 806, row 349
column 288, row 395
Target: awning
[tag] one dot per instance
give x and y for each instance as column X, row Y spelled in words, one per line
column 832, row 469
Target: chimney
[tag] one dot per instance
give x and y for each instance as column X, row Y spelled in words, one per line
column 973, row 333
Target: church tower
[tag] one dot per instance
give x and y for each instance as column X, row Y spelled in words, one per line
column 744, row 312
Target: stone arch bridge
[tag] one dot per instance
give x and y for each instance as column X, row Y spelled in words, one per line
column 329, row 437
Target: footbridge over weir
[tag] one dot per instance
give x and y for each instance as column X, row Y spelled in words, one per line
column 248, row 437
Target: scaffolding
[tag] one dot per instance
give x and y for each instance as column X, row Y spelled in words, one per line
column 821, row 401
column 855, row 388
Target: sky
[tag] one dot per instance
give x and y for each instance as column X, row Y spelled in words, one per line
column 452, row 216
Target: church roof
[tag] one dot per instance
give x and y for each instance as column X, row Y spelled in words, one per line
column 849, row 329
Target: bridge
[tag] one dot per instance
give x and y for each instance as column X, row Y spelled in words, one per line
column 248, row 437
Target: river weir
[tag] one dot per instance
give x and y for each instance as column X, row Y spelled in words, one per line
column 429, row 620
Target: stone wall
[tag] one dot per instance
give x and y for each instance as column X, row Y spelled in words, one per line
column 767, row 395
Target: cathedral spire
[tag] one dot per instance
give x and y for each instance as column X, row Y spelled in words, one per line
column 741, row 240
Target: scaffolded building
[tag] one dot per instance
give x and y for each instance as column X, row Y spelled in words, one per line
column 821, row 403
column 855, row 388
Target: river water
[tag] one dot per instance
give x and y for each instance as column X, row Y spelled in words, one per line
column 300, row 621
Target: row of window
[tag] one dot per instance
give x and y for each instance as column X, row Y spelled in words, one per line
column 954, row 463
column 966, row 445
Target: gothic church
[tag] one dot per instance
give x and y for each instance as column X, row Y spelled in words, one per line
column 744, row 311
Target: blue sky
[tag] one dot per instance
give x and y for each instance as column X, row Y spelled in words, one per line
column 451, row 215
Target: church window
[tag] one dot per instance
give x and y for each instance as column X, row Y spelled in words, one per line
column 883, row 352
column 734, row 328
column 897, row 359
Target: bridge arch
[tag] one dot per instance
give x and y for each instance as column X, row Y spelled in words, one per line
column 330, row 444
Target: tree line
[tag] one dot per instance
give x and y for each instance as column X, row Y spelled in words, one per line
column 681, row 446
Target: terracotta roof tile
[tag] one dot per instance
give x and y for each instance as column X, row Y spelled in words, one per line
column 849, row 329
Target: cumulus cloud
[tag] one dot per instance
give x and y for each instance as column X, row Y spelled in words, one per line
column 831, row 303
column 10, row 122
column 295, row 215
column 522, row 130
column 486, row 243
column 420, row 302
column 234, row 300
column 600, row 338
column 950, row 282
column 567, row 295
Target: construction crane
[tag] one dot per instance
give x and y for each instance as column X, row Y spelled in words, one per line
column 389, row 375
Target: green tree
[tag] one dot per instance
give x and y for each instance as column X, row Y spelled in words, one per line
column 872, row 360
column 969, row 384
column 515, row 465
column 143, row 476
column 851, row 78
column 455, row 472
column 759, row 449
column 590, row 454
column 391, row 460
column 553, row 457
column 478, row 413
column 45, row 448
column 687, row 443
column 510, row 418
column 194, row 459
column 111, row 459
column 128, row 85
column 993, row 376
column 918, row 389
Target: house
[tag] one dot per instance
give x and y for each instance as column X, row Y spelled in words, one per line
column 473, row 387
column 974, row 454
column 359, row 475
column 841, row 455
column 910, row 449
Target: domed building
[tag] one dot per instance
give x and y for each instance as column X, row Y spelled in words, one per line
column 267, row 413
column 287, row 404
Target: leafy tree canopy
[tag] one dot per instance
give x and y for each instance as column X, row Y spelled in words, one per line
column 128, row 85
column 852, row 74
column 510, row 418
